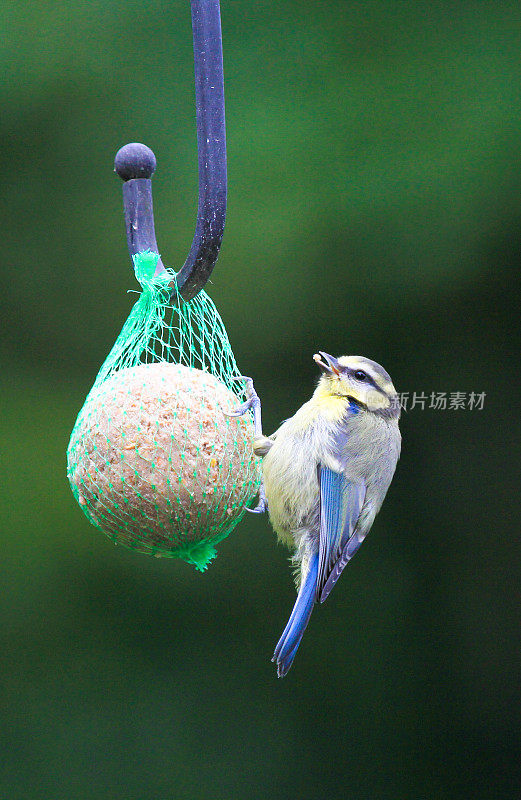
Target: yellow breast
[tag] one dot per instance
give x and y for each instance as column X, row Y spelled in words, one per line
column 290, row 467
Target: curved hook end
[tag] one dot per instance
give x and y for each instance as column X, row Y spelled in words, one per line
column 135, row 164
column 134, row 160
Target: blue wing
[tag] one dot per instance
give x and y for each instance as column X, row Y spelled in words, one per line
column 341, row 501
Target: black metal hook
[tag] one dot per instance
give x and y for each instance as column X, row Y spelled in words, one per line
column 135, row 163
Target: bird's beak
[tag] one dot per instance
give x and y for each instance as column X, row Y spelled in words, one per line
column 330, row 366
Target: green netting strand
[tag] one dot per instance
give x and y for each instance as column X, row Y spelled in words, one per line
column 153, row 461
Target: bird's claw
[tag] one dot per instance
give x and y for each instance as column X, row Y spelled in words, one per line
column 249, row 385
column 262, row 505
column 252, row 400
column 243, row 408
column 260, row 508
column 252, row 403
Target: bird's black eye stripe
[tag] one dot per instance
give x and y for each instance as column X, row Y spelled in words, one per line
column 360, row 375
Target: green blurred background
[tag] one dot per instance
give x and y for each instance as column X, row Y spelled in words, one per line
column 374, row 208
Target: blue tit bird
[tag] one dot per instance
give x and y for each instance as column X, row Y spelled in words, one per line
column 326, row 472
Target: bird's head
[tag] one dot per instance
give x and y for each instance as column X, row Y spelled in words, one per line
column 358, row 379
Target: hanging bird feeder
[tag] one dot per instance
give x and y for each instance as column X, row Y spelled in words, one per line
column 154, row 460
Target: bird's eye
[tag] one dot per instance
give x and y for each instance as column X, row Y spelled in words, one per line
column 360, row 375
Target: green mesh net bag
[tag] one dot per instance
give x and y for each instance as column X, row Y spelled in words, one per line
column 153, row 460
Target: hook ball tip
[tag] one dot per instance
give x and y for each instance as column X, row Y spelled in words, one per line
column 135, row 160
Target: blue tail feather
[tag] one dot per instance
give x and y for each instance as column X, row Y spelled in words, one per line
column 284, row 667
column 288, row 643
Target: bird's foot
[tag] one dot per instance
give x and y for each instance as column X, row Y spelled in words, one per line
column 239, row 412
column 253, row 402
column 261, row 443
column 262, row 505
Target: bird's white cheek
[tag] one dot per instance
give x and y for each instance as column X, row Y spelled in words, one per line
column 376, row 400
